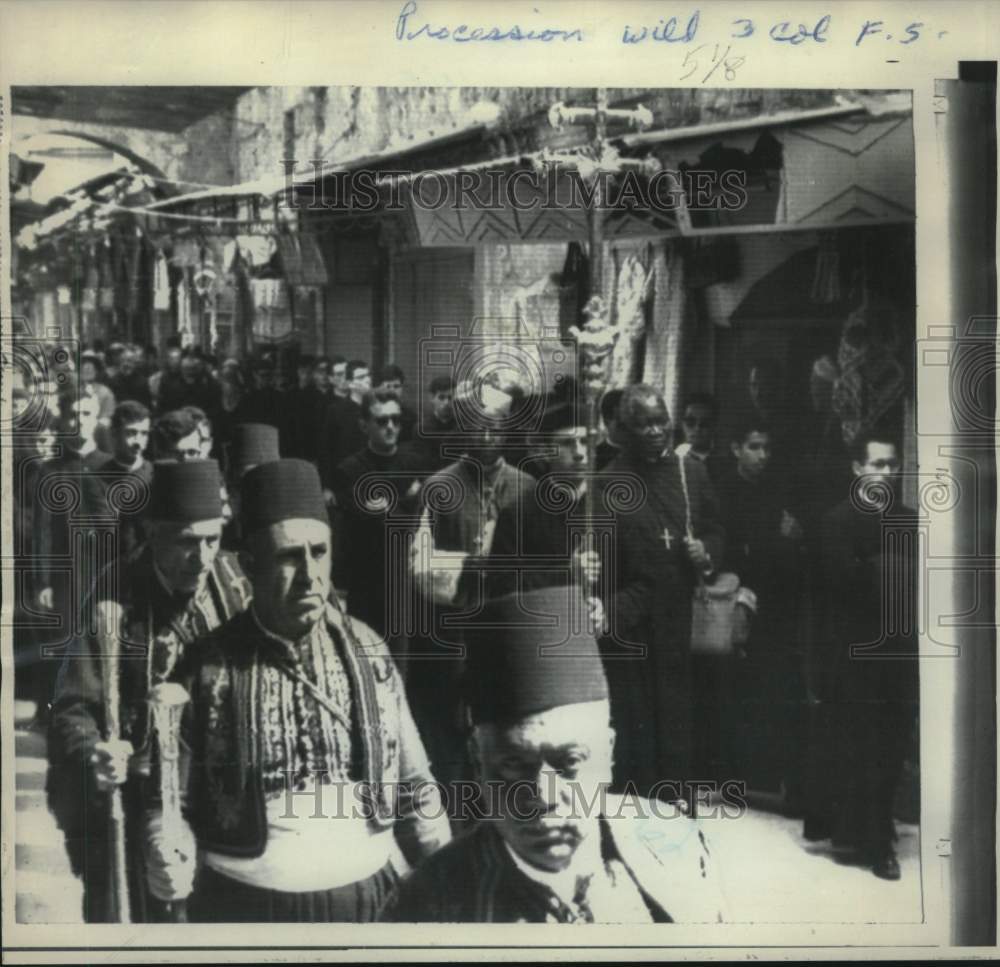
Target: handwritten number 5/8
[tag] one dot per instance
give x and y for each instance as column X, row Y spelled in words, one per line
column 729, row 64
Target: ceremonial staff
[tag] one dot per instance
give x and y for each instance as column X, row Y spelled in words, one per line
column 596, row 337
column 166, row 703
column 109, row 623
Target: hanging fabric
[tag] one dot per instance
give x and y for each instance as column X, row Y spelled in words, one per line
column 161, row 282
column 106, row 291
column 184, row 327
column 574, row 288
column 661, row 367
column 634, row 283
column 871, row 380
column 301, row 259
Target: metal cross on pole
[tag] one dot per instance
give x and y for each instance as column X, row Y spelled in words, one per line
column 596, row 336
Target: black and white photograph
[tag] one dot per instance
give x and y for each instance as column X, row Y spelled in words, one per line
column 459, row 505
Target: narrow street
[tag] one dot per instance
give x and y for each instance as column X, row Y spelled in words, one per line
column 47, row 890
column 770, row 874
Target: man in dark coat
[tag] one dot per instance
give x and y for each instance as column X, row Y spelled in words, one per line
column 762, row 718
column 867, row 696
column 192, row 386
column 552, row 845
column 437, row 425
column 264, row 402
column 699, row 419
column 71, row 496
column 376, row 490
column 309, row 408
column 459, row 543
column 393, row 380
column 130, row 470
column 341, row 434
column 130, row 382
column 550, row 529
column 667, row 537
column 150, row 607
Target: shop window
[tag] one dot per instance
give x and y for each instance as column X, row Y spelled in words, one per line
column 709, row 184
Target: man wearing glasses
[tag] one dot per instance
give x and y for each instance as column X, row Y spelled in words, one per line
column 374, row 487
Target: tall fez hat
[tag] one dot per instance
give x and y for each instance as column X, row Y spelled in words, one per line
column 253, row 444
column 530, row 652
column 280, row 490
column 186, row 492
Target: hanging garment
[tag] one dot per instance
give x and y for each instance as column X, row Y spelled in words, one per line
column 633, row 287
column 105, row 269
column 301, row 260
column 871, row 379
column 574, row 288
column 661, row 367
column 161, row 283
column 256, row 250
column 184, row 327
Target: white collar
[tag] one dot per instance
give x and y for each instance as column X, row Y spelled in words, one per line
column 563, row 883
column 89, row 446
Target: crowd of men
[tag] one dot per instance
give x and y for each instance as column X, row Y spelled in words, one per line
column 466, row 612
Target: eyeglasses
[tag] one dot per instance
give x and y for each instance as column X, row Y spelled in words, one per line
column 384, row 421
column 698, row 424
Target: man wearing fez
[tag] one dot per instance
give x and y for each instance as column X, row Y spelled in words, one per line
column 172, row 590
column 664, row 544
column 553, row 845
column 305, row 762
column 252, row 444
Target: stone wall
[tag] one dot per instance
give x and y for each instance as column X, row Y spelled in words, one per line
column 340, row 123
column 248, row 141
column 203, row 154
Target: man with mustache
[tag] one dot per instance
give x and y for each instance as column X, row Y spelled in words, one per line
column 170, row 591
column 665, row 541
column 299, row 731
column 553, row 845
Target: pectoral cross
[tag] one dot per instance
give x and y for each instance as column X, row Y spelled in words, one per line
column 666, row 538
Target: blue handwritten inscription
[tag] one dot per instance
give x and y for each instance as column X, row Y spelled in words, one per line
column 666, row 31
column 911, row 32
column 407, row 29
column 800, row 33
column 785, row 31
column 790, row 32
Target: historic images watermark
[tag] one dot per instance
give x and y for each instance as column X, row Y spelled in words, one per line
column 320, row 797
column 539, row 187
